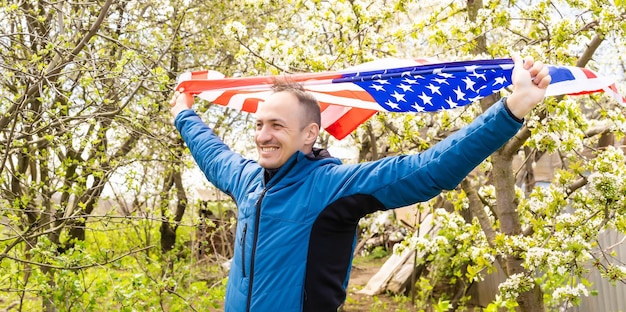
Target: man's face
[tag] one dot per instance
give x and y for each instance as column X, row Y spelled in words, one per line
column 280, row 131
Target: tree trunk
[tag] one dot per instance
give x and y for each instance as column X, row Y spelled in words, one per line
column 168, row 231
column 504, row 182
column 506, row 209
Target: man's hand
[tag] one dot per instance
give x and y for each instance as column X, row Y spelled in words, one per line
column 180, row 101
column 530, row 80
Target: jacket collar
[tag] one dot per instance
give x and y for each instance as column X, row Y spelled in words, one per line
column 315, row 154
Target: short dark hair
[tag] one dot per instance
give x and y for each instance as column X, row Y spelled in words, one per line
column 307, row 100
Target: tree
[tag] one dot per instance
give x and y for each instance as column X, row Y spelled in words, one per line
column 516, row 225
column 79, row 105
column 520, row 226
column 85, row 90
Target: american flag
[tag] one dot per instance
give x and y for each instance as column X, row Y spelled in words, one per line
column 349, row 97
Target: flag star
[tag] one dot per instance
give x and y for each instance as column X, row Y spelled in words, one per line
column 499, row 80
column 418, row 107
column 446, row 75
column 471, row 68
column 434, row 89
column 381, row 81
column 469, row 83
column 477, row 75
column 459, row 94
column 392, row 104
column 451, row 103
column 441, row 81
column 409, row 81
column 418, row 77
column 405, row 88
column 426, row 99
column 398, row 96
column 377, row 87
column 406, row 73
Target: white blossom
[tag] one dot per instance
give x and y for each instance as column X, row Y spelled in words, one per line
column 235, row 29
column 566, row 292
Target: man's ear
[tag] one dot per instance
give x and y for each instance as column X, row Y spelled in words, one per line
column 313, row 130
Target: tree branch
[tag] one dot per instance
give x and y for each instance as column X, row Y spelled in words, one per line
column 476, row 207
column 80, row 267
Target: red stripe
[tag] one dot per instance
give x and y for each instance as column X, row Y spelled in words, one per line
column 198, row 82
column 199, row 74
column 589, row 73
column 585, row 92
column 349, row 94
column 349, row 122
column 250, row 105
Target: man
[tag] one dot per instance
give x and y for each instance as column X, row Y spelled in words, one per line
column 298, row 208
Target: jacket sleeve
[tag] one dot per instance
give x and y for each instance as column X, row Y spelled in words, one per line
column 222, row 167
column 405, row 180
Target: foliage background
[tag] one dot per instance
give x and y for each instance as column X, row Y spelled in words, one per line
column 85, row 125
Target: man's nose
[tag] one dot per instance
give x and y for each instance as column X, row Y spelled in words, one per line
column 263, row 134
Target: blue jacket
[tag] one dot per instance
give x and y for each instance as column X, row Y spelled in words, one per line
column 296, row 231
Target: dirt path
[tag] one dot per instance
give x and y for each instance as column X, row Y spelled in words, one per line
column 361, row 273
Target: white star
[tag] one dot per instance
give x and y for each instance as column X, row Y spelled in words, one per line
column 441, row 81
column 377, row 87
column 474, row 74
column 499, row 80
column 469, row 83
column 392, row 104
column 471, row 68
column 417, row 107
column 382, row 82
column 405, row 88
column 418, row 77
column 406, row 73
column 446, row 75
column 409, row 81
column 433, row 89
column 451, row 103
column 459, row 94
column 426, row 99
column 398, row 96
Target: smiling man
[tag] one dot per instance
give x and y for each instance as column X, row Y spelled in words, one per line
column 278, row 134
column 299, row 208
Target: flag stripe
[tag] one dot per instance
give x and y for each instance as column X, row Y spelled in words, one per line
column 332, row 113
column 348, row 122
column 349, row 97
column 574, row 81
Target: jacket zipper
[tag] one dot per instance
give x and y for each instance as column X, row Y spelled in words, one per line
column 257, row 220
column 243, row 249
